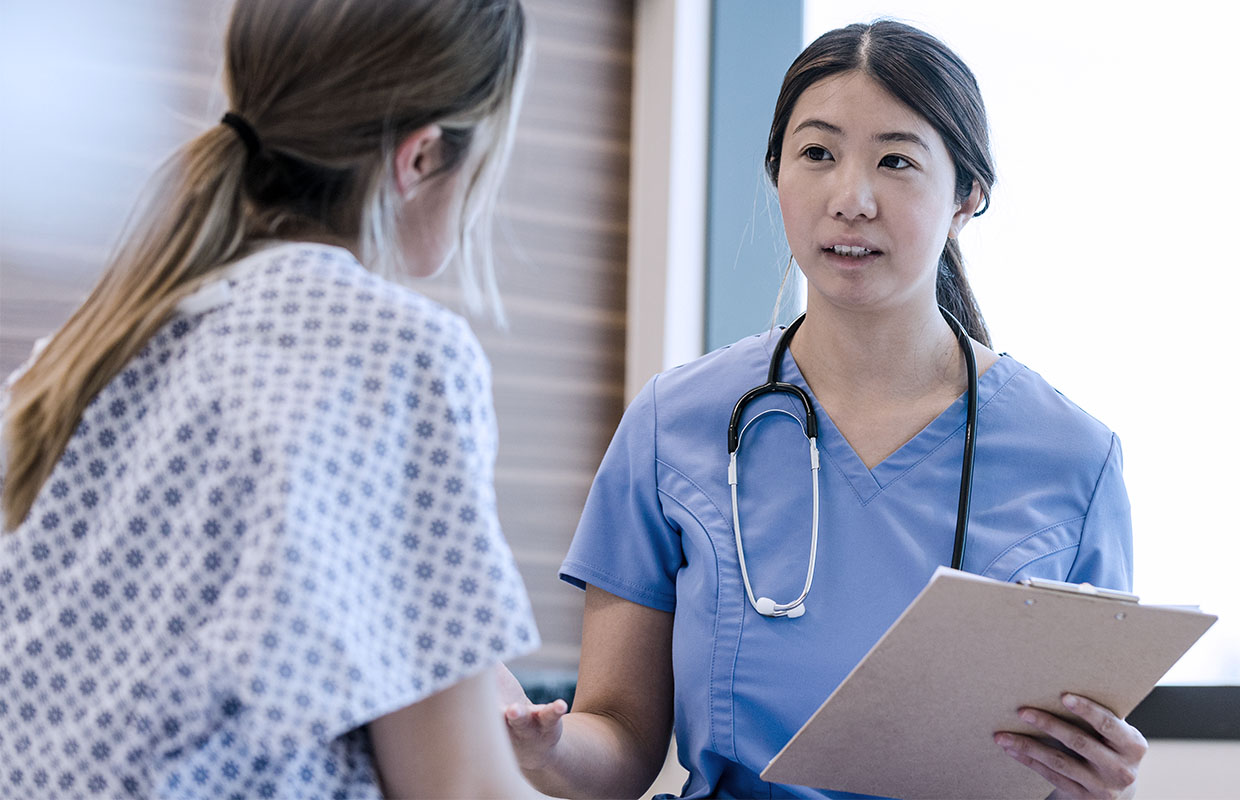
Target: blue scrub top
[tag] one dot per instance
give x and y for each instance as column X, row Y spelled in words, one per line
column 1048, row 501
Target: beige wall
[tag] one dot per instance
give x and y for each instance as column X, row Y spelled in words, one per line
column 1190, row 770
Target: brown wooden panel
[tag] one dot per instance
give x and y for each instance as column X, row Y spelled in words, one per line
column 559, row 371
column 95, row 95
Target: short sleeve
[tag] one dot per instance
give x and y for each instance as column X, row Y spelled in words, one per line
column 1104, row 557
column 624, row 543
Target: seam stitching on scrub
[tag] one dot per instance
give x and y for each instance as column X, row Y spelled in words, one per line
column 1093, row 495
column 637, row 589
column 710, row 705
column 1039, row 558
column 864, row 501
column 823, row 450
column 1026, row 538
column 980, row 408
column 718, row 599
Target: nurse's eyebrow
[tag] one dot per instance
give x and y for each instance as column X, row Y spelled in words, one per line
column 821, row 125
column 890, row 136
column 902, row 136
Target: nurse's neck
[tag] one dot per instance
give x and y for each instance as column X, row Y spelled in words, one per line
column 882, row 377
column 850, row 357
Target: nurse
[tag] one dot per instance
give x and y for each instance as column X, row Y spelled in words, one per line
column 880, row 154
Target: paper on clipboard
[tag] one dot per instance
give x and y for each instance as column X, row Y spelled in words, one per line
column 916, row 718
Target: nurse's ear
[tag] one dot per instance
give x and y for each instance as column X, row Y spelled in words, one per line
column 418, row 155
column 966, row 211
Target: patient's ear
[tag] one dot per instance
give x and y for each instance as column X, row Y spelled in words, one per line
column 418, row 155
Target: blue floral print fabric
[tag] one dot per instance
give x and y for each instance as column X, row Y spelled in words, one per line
column 276, row 524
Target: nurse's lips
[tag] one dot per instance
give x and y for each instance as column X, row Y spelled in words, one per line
column 858, row 249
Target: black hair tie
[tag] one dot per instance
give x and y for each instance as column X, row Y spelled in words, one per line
column 244, row 131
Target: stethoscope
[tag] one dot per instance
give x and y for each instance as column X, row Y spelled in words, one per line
column 765, row 605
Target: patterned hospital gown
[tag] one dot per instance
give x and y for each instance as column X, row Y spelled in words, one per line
column 275, row 524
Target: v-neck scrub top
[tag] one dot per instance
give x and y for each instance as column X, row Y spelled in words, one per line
column 1048, row 501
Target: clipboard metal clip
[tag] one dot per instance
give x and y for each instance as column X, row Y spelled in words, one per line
column 1079, row 588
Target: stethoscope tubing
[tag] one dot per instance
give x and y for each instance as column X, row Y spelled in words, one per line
column 970, row 441
column 764, row 605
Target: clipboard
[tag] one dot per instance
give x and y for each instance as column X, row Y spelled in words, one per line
column 916, row 718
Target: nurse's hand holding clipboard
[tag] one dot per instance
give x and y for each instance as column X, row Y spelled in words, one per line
column 1100, row 763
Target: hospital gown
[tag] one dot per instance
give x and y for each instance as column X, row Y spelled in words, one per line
column 276, row 524
column 1048, row 501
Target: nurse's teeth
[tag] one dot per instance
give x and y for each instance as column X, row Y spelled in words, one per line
column 845, row 250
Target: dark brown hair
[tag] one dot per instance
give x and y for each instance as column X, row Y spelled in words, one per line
column 924, row 74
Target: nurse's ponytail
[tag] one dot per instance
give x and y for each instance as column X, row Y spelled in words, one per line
column 954, row 293
column 924, row 74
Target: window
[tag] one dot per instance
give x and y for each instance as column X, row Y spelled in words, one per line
column 1106, row 261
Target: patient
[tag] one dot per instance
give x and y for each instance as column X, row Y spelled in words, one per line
column 251, row 541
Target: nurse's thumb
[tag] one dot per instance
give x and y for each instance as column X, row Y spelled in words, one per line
column 549, row 715
column 518, row 715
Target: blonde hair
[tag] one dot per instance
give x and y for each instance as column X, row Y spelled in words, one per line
column 330, row 87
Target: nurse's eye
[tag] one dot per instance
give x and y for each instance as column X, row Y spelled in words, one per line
column 816, row 153
column 895, row 162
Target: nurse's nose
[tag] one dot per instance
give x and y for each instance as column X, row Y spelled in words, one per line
column 852, row 195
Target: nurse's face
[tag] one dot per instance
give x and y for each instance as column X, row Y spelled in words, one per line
column 866, row 187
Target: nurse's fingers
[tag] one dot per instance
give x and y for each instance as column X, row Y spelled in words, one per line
column 549, row 714
column 1066, row 786
column 1066, row 771
column 534, row 730
column 1122, row 737
column 1098, row 758
column 1112, row 769
column 534, row 719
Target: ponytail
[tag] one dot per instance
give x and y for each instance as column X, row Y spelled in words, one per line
column 196, row 227
column 320, row 170
column 953, row 293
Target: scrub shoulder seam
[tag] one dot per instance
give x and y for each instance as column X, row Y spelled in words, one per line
column 1056, row 551
column 1033, row 535
column 1111, row 453
column 618, row 586
column 718, row 597
column 661, row 490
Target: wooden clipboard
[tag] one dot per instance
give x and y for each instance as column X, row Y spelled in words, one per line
column 916, row 718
